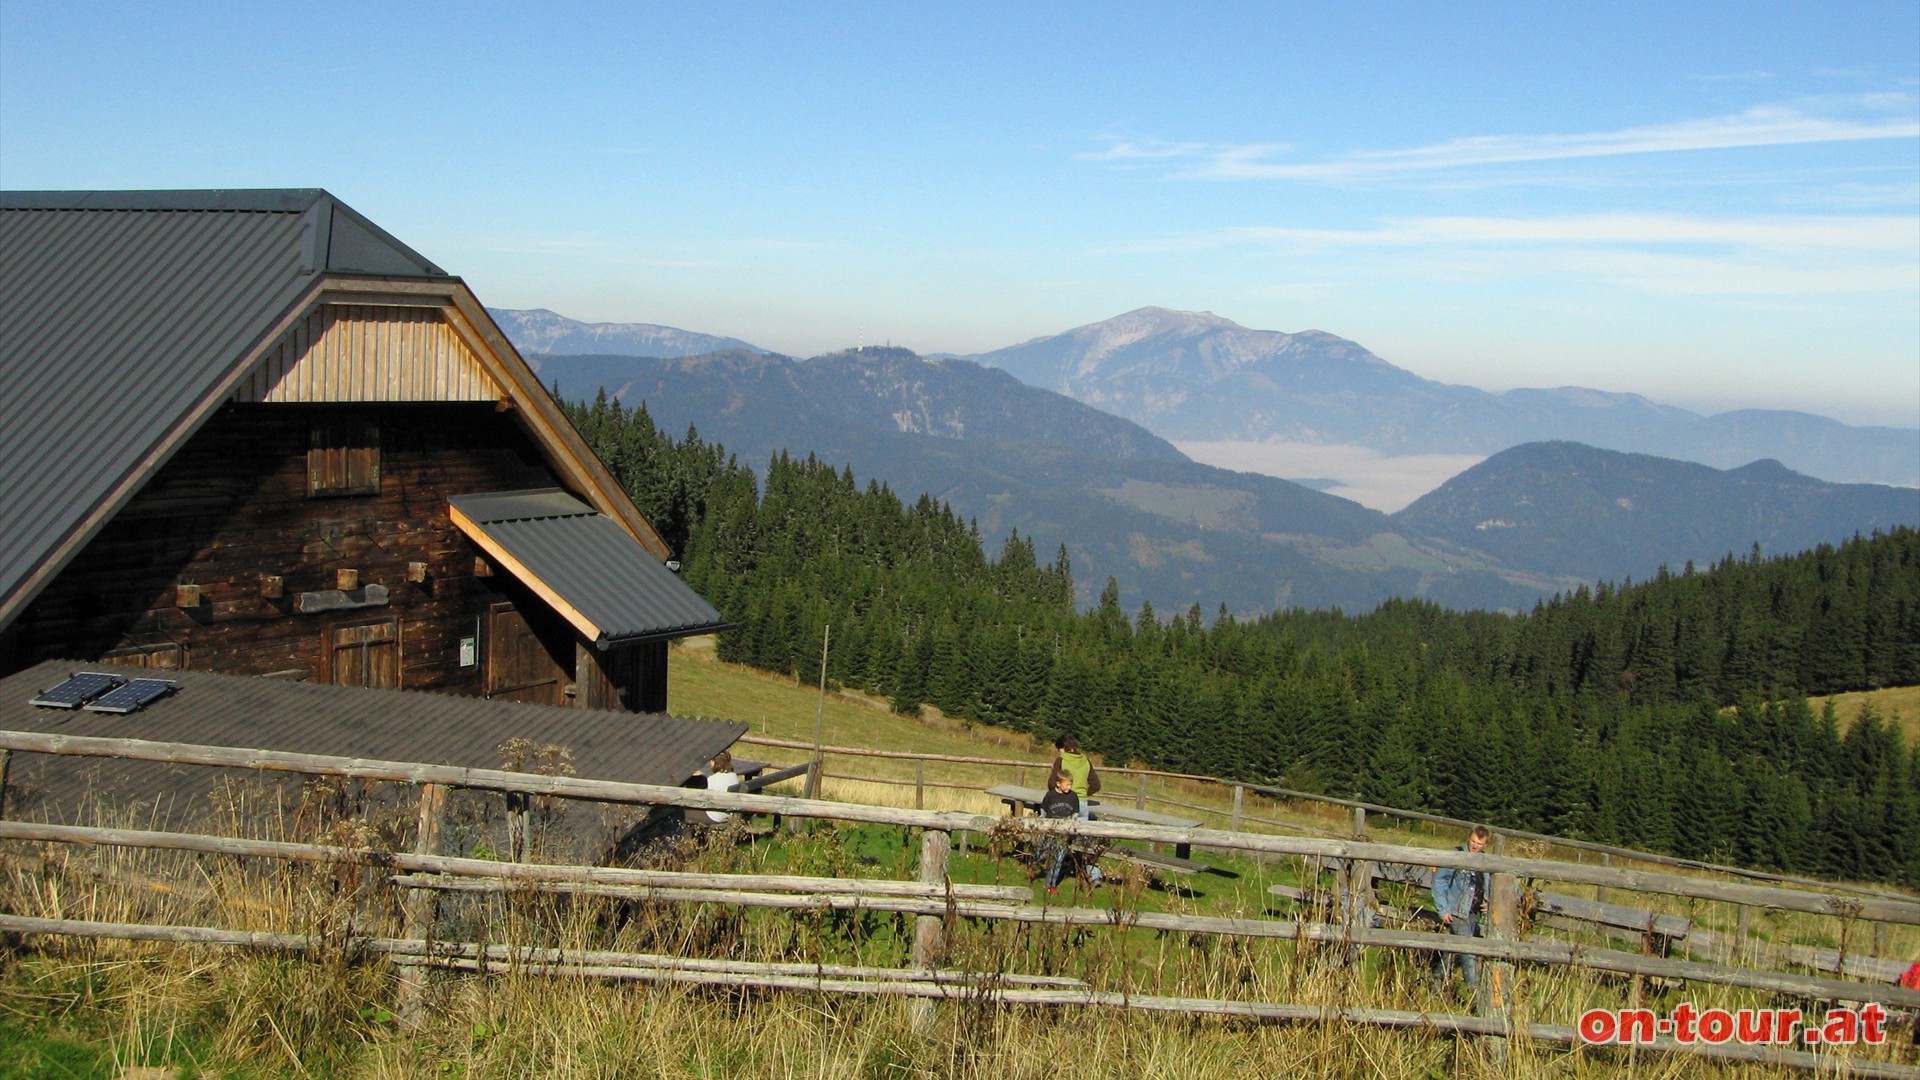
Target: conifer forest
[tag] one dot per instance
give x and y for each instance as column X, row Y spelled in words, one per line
column 1669, row 714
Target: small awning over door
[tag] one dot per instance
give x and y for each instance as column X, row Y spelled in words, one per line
column 591, row 570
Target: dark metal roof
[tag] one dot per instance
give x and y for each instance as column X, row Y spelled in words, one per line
column 272, row 714
column 589, row 563
column 122, row 314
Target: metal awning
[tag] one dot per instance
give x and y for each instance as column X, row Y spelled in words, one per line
column 591, row 570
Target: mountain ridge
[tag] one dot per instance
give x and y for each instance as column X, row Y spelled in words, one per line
column 1606, row 515
column 1200, row 377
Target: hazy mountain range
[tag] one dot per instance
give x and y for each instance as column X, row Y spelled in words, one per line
column 1008, row 455
column 1128, row 504
column 542, row 331
column 1194, row 376
column 1566, row 508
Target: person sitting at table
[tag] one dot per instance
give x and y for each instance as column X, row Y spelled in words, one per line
column 1074, row 765
column 721, row 778
column 1060, row 803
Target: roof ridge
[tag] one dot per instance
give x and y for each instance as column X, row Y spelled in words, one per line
column 256, row 200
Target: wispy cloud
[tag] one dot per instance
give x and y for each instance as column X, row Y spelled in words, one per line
column 1135, row 150
column 1662, row 253
column 1771, row 125
column 1887, row 234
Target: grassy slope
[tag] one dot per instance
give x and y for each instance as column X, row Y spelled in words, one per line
column 1900, row 704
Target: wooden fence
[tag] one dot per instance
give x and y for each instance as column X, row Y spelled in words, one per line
column 1236, row 792
column 934, row 900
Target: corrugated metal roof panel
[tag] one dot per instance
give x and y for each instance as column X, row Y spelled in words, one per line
column 392, row 725
column 590, row 562
column 120, row 312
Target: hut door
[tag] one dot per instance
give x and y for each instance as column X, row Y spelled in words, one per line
column 366, row 655
column 519, row 667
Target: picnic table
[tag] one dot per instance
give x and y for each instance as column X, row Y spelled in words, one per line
column 1020, row 798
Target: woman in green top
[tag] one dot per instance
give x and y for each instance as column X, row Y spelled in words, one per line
column 1075, row 766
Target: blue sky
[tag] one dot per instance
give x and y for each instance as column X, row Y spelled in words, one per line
column 1715, row 205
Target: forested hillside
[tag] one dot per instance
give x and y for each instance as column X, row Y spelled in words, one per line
column 1668, row 714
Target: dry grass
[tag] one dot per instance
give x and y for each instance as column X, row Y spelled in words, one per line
column 328, row 1012
column 1899, row 704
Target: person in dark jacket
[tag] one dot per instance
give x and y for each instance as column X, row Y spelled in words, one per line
column 1060, row 803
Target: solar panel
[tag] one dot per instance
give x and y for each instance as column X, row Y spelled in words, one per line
column 79, row 688
column 137, row 694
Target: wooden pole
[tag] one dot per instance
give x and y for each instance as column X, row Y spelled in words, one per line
column 1600, row 891
column 920, row 784
column 421, row 905
column 1239, row 804
column 817, row 767
column 819, row 718
column 1495, row 994
column 929, row 931
column 6, row 763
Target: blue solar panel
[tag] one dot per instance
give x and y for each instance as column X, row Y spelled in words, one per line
column 137, row 694
column 79, row 688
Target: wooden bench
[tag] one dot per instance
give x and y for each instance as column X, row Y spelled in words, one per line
column 1020, row 798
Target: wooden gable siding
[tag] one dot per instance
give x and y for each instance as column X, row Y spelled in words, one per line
column 369, row 352
column 230, row 516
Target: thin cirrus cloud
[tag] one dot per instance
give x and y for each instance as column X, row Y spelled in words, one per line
column 1889, row 234
column 1662, row 253
column 1772, row 125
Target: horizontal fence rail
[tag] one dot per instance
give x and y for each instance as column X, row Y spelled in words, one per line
column 1853, row 907
column 1291, row 795
column 935, row 900
column 949, row 985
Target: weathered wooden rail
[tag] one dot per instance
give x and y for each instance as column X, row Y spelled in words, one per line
column 934, row 899
column 1869, row 908
column 933, row 985
column 1239, row 790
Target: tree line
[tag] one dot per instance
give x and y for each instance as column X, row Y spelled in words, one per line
column 1669, row 714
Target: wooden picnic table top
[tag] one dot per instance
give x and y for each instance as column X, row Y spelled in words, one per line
column 1031, row 796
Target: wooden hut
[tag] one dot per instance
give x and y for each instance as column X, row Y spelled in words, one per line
column 250, row 432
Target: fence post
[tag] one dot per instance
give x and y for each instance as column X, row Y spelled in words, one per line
column 919, row 783
column 421, row 904
column 1600, row 891
column 6, row 762
column 1495, row 997
column 929, row 931
column 1359, row 822
column 809, row 789
column 1239, row 801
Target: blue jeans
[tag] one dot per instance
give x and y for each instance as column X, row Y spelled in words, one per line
column 1462, row 926
column 1086, row 809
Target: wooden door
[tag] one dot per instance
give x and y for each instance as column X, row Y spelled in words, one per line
column 519, row 665
column 365, row 655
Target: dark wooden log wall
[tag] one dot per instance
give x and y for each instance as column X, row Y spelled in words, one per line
column 230, row 513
